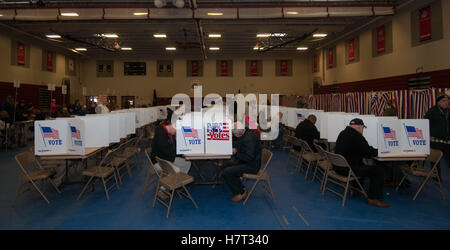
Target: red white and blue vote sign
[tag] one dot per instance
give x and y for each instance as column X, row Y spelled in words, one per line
column 77, row 129
column 416, row 136
column 389, row 139
column 218, row 136
column 190, row 134
column 52, row 137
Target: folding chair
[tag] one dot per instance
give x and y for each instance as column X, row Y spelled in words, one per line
column 170, row 182
column 286, row 138
column 104, row 172
column 340, row 180
column 434, row 158
column 119, row 161
column 266, row 157
column 322, row 165
column 293, row 153
column 151, row 170
column 309, row 157
column 132, row 148
column 30, row 176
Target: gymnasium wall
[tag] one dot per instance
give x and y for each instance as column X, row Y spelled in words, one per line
column 405, row 59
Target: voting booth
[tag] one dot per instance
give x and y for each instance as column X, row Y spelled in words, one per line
column 218, row 137
column 65, row 136
column 162, row 112
column 97, row 130
column 415, row 136
column 296, row 116
column 190, row 136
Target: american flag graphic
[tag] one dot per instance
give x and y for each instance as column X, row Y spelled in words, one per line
column 300, row 116
column 189, row 132
column 389, row 133
column 75, row 133
column 48, row 132
column 412, row 132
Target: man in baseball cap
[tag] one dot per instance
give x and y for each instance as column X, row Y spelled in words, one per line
column 354, row 147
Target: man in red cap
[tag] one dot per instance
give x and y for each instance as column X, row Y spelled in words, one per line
column 440, row 126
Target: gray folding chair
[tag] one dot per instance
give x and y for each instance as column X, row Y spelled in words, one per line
column 414, row 170
column 322, row 165
column 340, row 180
column 262, row 175
column 309, row 157
column 151, row 170
column 32, row 172
column 294, row 154
column 103, row 171
column 170, row 182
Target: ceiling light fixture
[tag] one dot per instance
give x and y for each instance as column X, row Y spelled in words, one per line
column 110, row 35
column 80, row 49
column 69, row 14
column 292, row 12
column 140, row 13
column 215, row 14
column 171, row 48
column 214, row 48
column 302, row 48
column 53, row 36
column 159, row 35
column 214, row 35
column 320, row 35
column 126, row 48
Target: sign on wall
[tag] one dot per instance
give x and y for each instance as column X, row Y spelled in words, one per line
column 381, row 39
column 20, row 53
column 425, row 23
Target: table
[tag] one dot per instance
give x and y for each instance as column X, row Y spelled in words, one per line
column 212, row 157
column 415, row 158
column 89, row 152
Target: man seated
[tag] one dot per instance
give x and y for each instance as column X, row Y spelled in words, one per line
column 354, row 147
column 164, row 147
column 307, row 131
column 246, row 159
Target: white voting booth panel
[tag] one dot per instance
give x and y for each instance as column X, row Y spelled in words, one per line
column 64, row 136
column 321, row 123
column 114, row 127
column 162, row 112
column 285, row 118
column 190, row 134
column 371, row 122
column 332, row 123
column 296, row 116
column 415, row 136
column 389, row 138
column 97, row 130
column 218, row 138
column 153, row 114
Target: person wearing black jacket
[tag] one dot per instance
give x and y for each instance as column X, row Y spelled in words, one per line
column 354, row 147
column 246, row 159
column 307, row 131
column 164, row 147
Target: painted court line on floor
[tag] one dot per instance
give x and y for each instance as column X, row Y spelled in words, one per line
column 274, row 212
column 285, row 220
column 301, row 216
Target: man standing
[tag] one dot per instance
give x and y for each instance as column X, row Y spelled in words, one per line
column 101, row 107
column 246, row 159
column 440, row 126
column 307, row 131
column 354, row 147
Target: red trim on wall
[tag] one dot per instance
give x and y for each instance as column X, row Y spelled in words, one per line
column 30, row 93
column 439, row 79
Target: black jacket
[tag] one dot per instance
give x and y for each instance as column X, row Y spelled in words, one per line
column 162, row 146
column 307, row 131
column 354, row 147
column 248, row 148
column 439, row 123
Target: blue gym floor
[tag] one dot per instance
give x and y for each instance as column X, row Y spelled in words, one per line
column 295, row 198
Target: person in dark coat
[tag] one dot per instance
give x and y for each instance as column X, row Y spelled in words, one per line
column 354, row 147
column 439, row 117
column 164, row 147
column 246, row 159
column 307, row 131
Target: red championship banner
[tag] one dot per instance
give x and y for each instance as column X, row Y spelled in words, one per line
column 223, row 68
column 351, row 50
column 283, row 67
column 49, row 61
column 253, row 68
column 425, row 23
column 315, row 60
column 20, row 53
column 330, row 58
column 381, row 39
column 194, row 68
